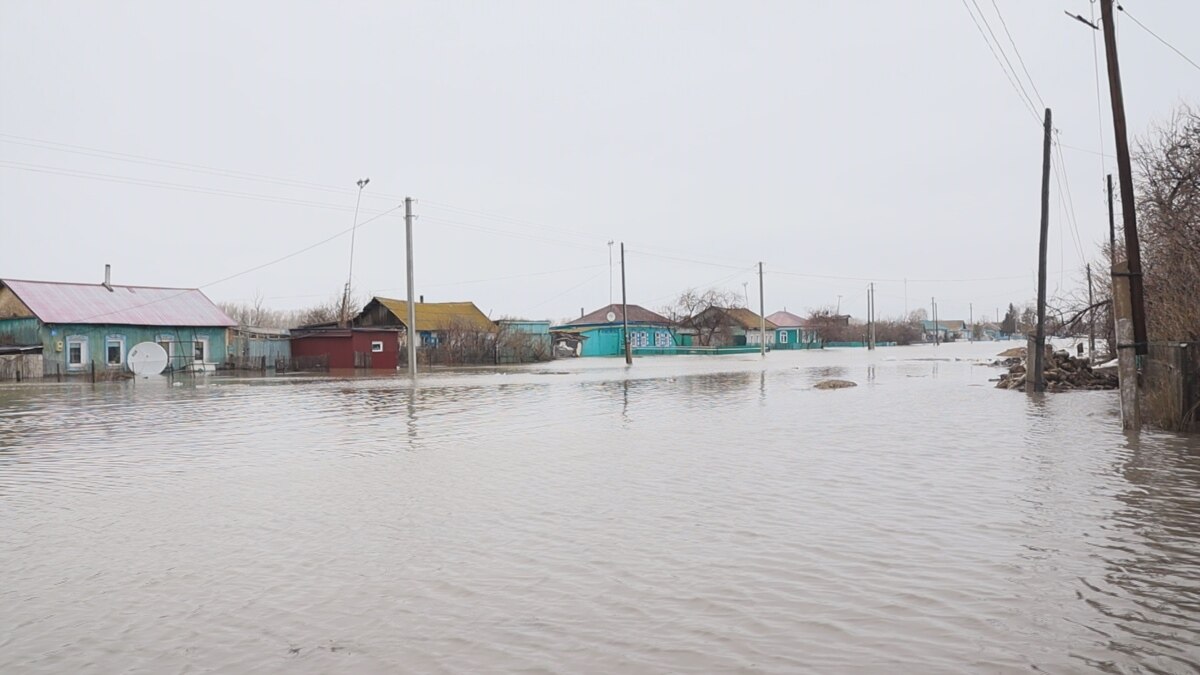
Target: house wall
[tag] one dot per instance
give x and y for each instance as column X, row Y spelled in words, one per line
column 606, row 340
column 11, row 306
column 54, row 340
column 341, row 347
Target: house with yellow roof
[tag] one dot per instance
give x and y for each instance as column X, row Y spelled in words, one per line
column 436, row 322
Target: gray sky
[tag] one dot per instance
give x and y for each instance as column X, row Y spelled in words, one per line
column 842, row 139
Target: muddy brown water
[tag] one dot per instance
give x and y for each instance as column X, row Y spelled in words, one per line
column 692, row 514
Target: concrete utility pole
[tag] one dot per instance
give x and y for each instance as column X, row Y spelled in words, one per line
column 625, row 312
column 871, row 316
column 411, row 328
column 1131, row 414
column 1038, row 384
column 1125, row 174
column 971, row 322
column 762, row 315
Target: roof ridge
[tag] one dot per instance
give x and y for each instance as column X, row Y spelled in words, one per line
column 84, row 283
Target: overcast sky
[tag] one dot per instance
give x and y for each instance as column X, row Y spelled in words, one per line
column 185, row 143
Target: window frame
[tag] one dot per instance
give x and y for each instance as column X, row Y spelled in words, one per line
column 376, row 346
column 783, row 337
column 201, row 341
column 109, row 341
column 82, row 341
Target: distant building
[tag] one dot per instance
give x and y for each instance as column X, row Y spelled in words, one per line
column 600, row 332
column 794, row 332
column 82, row 327
column 946, row 330
column 726, row 327
column 523, row 341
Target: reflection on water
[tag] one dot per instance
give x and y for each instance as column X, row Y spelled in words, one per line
column 690, row 513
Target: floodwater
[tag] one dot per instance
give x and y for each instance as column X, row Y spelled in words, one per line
column 692, row 514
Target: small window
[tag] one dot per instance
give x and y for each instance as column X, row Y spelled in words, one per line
column 377, row 346
column 114, row 351
column 75, row 353
column 783, row 338
column 200, row 345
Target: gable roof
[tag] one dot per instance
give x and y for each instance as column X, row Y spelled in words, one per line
column 53, row 302
column 637, row 314
column 440, row 315
column 786, row 319
column 955, row 324
column 738, row 316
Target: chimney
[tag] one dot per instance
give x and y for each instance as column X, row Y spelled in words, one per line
column 108, row 277
column 581, row 312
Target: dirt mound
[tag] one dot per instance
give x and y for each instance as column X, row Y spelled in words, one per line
column 834, row 384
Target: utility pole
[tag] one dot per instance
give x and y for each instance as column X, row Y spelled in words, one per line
column 411, row 328
column 1125, row 175
column 1091, row 319
column 871, row 316
column 610, row 272
column 344, row 318
column 625, row 312
column 971, row 322
column 839, row 305
column 1112, row 227
column 933, row 307
column 762, row 315
column 1038, row 385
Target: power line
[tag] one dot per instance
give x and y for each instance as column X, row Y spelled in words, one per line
column 1156, row 36
column 1019, row 90
column 1016, row 51
column 1099, row 101
column 280, row 259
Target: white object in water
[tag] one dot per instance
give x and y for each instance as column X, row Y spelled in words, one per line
column 146, row 359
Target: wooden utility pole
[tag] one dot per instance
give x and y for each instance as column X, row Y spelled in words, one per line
column 1091, row 320
column 411, row 328
column 625, row 312
column 971, row 322
column 872, row 326
column 762, row 315
column 1125, row 176
column 1112, row 227
column 1038, row 384
column 933, row 306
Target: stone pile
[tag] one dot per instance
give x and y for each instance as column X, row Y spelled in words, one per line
column 1063, row 373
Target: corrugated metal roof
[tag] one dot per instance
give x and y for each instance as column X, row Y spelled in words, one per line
column 441, row 315
column 786, row 319
column 637, row 314
column 56, row 303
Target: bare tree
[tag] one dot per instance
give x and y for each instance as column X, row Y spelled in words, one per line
column 703, row 312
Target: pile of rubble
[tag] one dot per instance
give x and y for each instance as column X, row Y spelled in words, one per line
column 1063, row 372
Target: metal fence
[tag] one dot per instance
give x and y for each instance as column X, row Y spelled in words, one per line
column 1171, row 386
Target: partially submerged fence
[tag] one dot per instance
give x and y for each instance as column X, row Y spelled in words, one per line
column 1171, row 386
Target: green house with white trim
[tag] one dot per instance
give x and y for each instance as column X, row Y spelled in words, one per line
column 90, row 328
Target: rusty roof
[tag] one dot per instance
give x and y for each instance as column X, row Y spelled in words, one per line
column 440, row 315
column 55, row 303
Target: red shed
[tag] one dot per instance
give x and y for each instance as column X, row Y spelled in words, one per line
column 375, row 348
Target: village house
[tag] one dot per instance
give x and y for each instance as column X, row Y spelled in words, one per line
column 90, row 328
column 726, row 327
column 794, row 332
column 946, row 330
column 601, row 331
column 437, row 322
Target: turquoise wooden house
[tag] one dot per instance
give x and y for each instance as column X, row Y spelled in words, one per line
column 793, row 332
column 603, row 330
column 85, row 328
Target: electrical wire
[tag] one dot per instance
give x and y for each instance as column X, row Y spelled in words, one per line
column 1017, row 52
column 1019, row 90
column 1156, row 36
